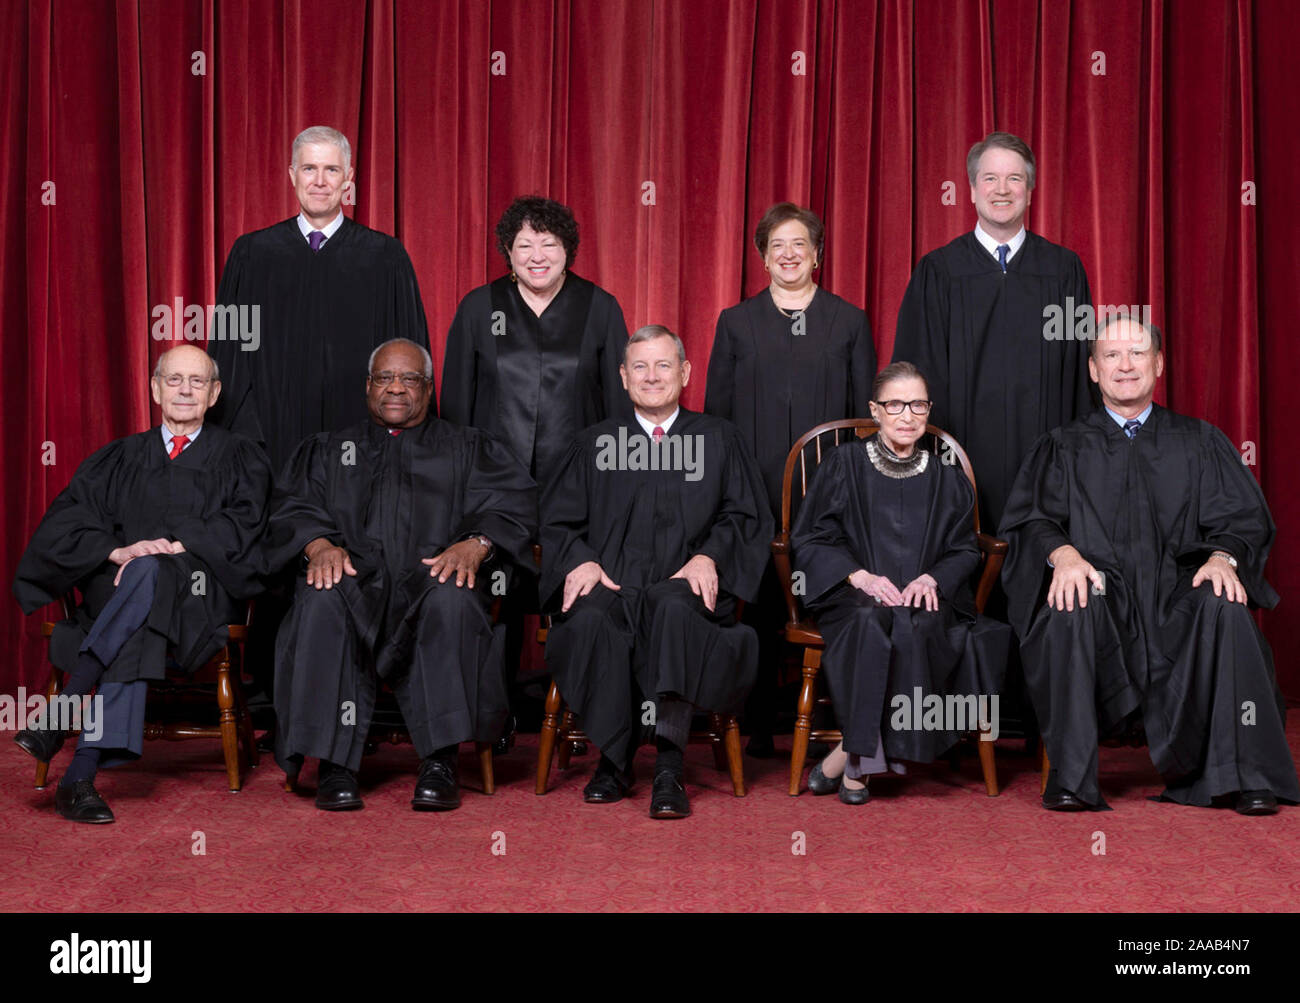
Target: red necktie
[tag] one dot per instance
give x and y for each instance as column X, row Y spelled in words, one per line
column 658, row 433
column 394, row 431
column 179, row 442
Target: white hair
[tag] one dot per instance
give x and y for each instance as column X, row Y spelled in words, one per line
column 428, row 359
column 216, row 372
column 322, row 134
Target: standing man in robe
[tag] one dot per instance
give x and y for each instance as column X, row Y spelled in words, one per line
column 652, row 529
column 972, row 319
column 402, row 525
column 159, row 532
column 1148, row 537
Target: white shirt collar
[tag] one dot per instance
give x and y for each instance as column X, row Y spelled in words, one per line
column 168, row 435
column 1120, row 421
column 306, row 228
column 666, row 424
column 991, row 245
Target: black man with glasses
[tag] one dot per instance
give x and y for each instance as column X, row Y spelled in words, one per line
column 403, row 528
column 159, row 532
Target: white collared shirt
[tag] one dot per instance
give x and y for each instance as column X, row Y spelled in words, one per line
column 168, row 435
column 991, row 245
column 1121, row 421
column 666, row 424
column 307, row 229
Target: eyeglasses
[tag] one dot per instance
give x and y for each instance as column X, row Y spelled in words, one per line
column 196, row 382
column 921, row 408
column 409, row 380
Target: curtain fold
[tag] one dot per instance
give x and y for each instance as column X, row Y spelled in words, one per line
column 1165, row 135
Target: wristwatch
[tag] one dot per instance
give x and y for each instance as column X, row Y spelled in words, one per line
column 1232, row 561
column 480, row 538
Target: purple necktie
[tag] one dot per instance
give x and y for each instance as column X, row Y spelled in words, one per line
column 315, row 239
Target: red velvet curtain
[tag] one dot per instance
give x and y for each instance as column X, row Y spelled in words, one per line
column 142, row 136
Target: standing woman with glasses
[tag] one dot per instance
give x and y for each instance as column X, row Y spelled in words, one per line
column 783, row 361
column 886, row 541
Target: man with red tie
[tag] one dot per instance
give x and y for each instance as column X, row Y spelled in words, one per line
column 158, row 532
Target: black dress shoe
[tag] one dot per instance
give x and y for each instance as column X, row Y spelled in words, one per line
column 82, row 803
column 608, row 785
column 337, row 789
column 43, row 743
column 507, row 741
column 1061, row 800
column 820, row 783
column 438, row 787
column 1256, row 803
column 668, row 799
column 855, row 797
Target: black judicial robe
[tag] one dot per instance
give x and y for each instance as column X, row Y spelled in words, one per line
column 390, row 501
column 775, row 385
column 541, row 380
column 321, row 314
column 977, row 335
column 212, row 498
column 1147, row 513
column 855, row 517
column 642, row 526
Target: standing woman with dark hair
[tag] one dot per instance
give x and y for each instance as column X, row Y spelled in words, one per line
column 534, row 355
column 784, row 361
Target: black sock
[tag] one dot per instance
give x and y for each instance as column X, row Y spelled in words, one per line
column 85, row 676
column 84, row 766
column 447, row 754
column 607, row 766
column 669, row 757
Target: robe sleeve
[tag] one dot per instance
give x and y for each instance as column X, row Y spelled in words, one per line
column 408, row 320
column 236, row 409
column 720, row 384
column 862, row 370
column 500, row 500
column 1036, row 521
column 615, row 398
column 76, row 535
column 955, row 534
column 299, row 511
column 1233, row 516
column 921, row 336
column 740, row 538
column 459, row 370
column 823, row 548
column 1076, row 285
column 228, row 539
column 565, row 520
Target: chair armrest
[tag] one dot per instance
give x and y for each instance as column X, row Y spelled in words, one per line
column 781, row 558
column 995, row 551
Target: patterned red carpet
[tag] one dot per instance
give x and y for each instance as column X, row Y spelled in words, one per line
column 929, row 842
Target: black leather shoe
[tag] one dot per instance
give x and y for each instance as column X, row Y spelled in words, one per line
column 438, row 787
column 43, row 743
column 1256, row 803
column 337, row 789
column 669, row 800
column 608, row 785
column 855, row 797
column 82, row 803
column 507, row 741
column 820, row 783
column 1063, row 801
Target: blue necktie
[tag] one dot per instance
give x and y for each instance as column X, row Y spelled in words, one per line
column 1002, row 255
column 317, row 237
column 1131, row 428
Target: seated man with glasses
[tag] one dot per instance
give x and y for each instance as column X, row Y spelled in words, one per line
column 406, row 527
column 886, row 541
column 158, row 530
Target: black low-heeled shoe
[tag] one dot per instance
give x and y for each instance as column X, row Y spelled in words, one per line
column 855, row 797
column 1256, row 803
column 820, row 783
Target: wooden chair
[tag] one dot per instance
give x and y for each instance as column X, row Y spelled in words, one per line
column 235, row 724
column 801, row 630
column 559, row 728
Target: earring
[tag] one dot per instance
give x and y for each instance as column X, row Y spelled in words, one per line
column 513, row 277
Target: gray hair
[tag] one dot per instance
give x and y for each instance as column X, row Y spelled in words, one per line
column 157, row 366
column 428, row 359
column 1002, row 141
column 1157, row 338
column 322, row 134
column 649, row 333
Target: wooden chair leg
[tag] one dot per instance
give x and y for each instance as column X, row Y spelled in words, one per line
column 229, row 727
column 51, row 691
column 485, row 767
column 735, row 759
column 716, row 729
column 803, row 719
column 546, row 740
column 987, row 765
column 1046, row 767
column 566, row 745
